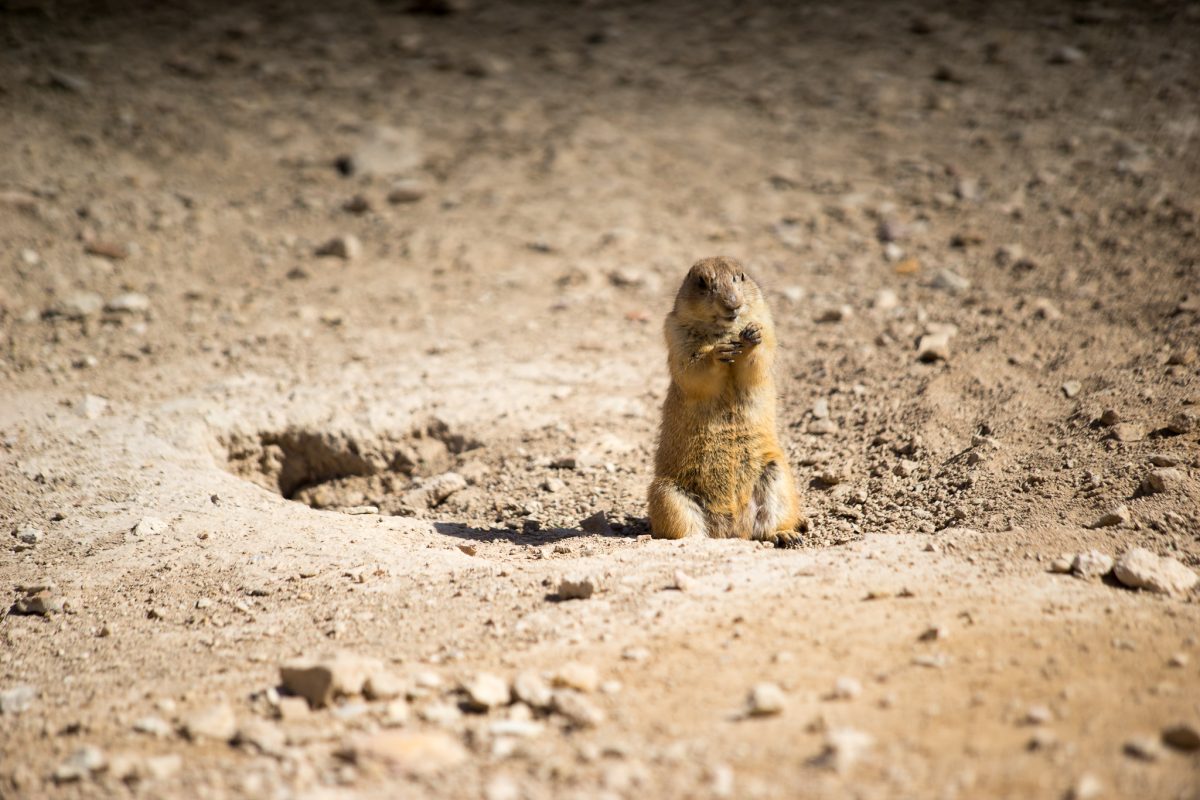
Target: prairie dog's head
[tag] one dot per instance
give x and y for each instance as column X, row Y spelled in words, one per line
column 717, row 291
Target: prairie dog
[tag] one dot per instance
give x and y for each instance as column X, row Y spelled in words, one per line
column 719, row 470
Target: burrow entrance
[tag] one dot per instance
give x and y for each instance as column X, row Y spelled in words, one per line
column 397, row 473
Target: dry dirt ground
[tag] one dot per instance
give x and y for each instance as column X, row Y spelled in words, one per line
column 223, row 451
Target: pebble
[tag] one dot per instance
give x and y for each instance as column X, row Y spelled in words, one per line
column 1162, row 480
column 1071, row 388
column 844, row 747
column 128, row 303
column 846, row 688
column 486, row 691
column 1140, row 569
column 152, row 726
column 822, row 427
column 29, row 535
column 529, row 688
column 949, row 281
column 1178, row 660
column 80, row 764
column 383, row 685
column 1037, row 715
column 319, row 681
column 933, row 347
column 1086, row 787
column 1091, row 564
column 553, row 485
column 216, row 722
column 577, row 709
column 91, row 406
column 1183, row 736
column 38, row 601
column 1181, row 423
column 765, row 699
column 1144, row 748
column 1126, row 432
column 574, row 675
column 17, row 699
column 387, row 152
column 77, row 305
column 263, row 736
column 406, row 191
column 1061, row 565
column 417, row 754
column 834, row 314
column 149, row 526
column 346, row 247
column 577, row 587
column 290, row 709
column 885, row 300
column 1116, row 517
column 1066, row 55
column 682, row 582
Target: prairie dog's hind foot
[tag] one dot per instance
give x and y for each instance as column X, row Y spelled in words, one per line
column 673, row 513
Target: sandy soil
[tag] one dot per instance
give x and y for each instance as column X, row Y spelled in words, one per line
column 223, row 450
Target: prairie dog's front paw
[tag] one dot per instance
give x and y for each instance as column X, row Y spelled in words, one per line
column 752, row 334
column 728, row 351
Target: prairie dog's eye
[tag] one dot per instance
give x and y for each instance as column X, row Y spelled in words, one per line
column 702, row 282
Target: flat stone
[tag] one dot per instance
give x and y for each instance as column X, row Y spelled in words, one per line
column 128, row 303
column 597, row 524
column 1162, row 480
column 80, row 764
column 216, row 722
column 1140, row 569
column 486, row 691
column 933, row 347
column 1117, row 517
column 844, row 747
column 577, row 709
column 1127, row 432
column 77, row 305
column 17, row 699
column 319, row 681
column 149, row 526
column 383, row 685
column 91, row 406
column 411, row 753
column 1071, row 388
column 346, row 247
column 152, row 726
column 529, row 688
column 574, row 675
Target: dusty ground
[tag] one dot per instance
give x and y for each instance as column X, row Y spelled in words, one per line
column 528, row 183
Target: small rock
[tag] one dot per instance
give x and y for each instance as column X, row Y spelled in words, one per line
column 1140, row 569
column 822, row 427
column 91, row 406
column 291, row 709
column 38, row 601
column 1162, row 480
column 29, row 535
column 262, row 736
column 149, row 526
column 1109, row 417
column 358, row 204
column 950, row 281
column 1071, row 388
column 846, row 688
column 933, row 347
column 885, row 300
column 405, row 191
column 320, row 681
column 1037, row 715
column 1061, row 565
column 486, row 691
column 834, row 314
column 577, row 709
column 682, row 582
column 128, row 303
column 577, row 587
column 1181, row 423
column 80, row 764
column 574, row 675
column 1178, row 660
column 1184, row 736
column 152, row 726
column 1144, row 748
column 395, row 714
column 418, row 754
column 77, row 305
column 1044, row 308
column 346, row 247
column 1117, row 517
column 529, row 688
column 217, row 722
column 1087, row 787
column 597, row 524
column 1091, row 564
column 553, row 485
column 1066, row 55
column 765, row 699
column 844, row 747
column 383, row 685
column 160, row 768
column 1126, row 432
column 17, row 699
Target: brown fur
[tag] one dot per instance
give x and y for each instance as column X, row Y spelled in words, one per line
column 719, row 469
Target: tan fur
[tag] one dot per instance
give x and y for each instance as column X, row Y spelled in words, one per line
column 720, row 470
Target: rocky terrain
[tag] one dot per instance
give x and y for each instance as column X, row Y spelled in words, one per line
column 331, row 361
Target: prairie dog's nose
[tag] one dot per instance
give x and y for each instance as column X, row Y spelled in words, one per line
column 732, row 301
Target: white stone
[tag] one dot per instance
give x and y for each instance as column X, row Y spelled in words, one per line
column 1140, row 569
